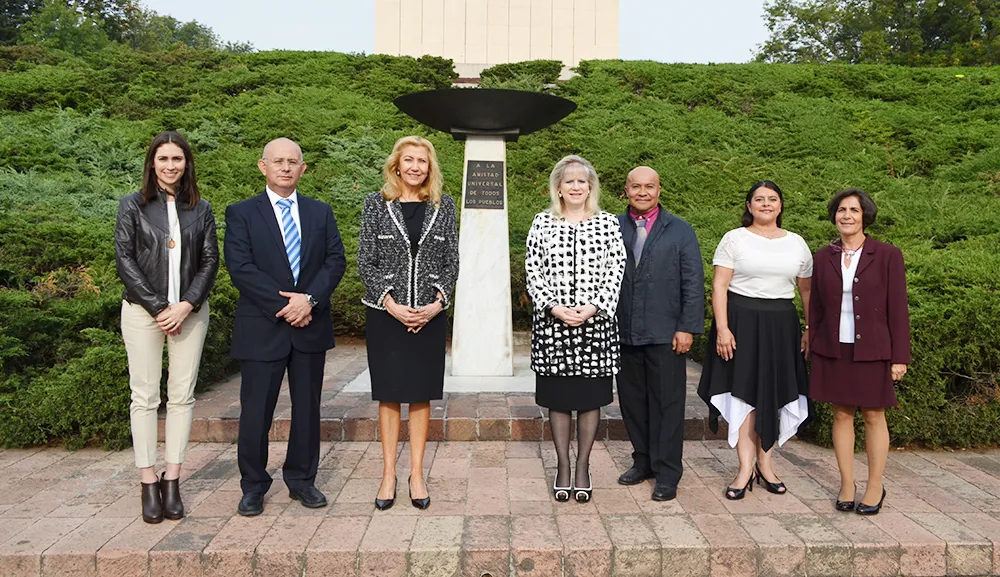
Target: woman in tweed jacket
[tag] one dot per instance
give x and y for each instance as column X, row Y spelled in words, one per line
column 574, row 265
column 408, row 262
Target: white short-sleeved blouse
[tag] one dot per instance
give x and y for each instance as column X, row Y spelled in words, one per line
column 764, row 268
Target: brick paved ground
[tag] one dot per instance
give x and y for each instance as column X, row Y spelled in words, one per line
column 76, row 513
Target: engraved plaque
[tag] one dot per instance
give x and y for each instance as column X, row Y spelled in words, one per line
column 484, row 184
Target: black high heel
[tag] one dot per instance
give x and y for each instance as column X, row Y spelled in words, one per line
column 847, row 505
column 776, row 488
column 418, row 503
column 583, row 494
column 870, row 509
column 738, row 494
column 383, row 504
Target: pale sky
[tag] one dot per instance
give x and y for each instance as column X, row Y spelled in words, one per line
column 696, row 31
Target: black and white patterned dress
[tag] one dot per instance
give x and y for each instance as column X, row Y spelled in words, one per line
column 574, row 264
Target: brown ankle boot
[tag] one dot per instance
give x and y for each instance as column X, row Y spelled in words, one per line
column 152, row 505
column 173, row 508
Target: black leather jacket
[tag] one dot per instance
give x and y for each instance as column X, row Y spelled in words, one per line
column 141, row 236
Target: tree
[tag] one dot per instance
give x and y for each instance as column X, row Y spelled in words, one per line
column 13, row 15
column 907, row 32
column 63, row 26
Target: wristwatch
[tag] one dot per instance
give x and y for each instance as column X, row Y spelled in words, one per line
column 311, row 300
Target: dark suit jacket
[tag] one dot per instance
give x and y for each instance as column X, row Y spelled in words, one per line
column 666, row 293
column 881, row 315
column 255, row 257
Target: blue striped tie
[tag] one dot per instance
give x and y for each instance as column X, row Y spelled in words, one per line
column 293, row 243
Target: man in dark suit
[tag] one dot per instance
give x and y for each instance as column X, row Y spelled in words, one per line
column 285, row 256
column 662, row 306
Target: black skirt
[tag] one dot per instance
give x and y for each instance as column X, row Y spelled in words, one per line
column 572, row 393
column 767, row 373
column 405, row 367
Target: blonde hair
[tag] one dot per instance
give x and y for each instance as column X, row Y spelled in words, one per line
column 433, row 184
column 559, row 171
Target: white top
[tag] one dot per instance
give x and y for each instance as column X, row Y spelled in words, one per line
column 274, row 198
column 847, row 301
column 173, row 255
column 764, row 268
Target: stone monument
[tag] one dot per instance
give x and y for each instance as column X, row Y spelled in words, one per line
column 482, row 339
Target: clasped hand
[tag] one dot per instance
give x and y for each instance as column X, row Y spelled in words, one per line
column 172, row 318
column 413, row 318
column 297, row 312
column 574, row 316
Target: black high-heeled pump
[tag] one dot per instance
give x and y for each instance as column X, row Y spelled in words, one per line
column 738, row 494
column 383, row 504
column 870, row 509
column 776, row 488
column 422, row 503
column 847, row 505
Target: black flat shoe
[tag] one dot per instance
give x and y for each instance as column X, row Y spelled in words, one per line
column 634, row 476
column 738, row 494
column 173, row 507
column 664, row 492
column 310, row 497
column 152, row 503
column 870, row 509
column 847, row 506
column 251, row 504
column 383, row 504
column 418, row 503
column 776, row 488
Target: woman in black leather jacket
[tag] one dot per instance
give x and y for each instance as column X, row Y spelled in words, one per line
column 167, row 257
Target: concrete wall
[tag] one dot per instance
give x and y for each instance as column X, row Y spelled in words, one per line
column 480, row 33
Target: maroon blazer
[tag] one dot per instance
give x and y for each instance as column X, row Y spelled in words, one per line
column 881, row 316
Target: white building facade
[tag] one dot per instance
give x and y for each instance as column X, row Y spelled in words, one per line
column 477, row 34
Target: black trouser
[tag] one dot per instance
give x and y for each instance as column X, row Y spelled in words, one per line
column 652, row 386
column 261, row 382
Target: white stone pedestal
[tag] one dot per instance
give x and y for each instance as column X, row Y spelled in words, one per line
column 482, row 341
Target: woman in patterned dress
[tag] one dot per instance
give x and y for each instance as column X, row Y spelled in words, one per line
column 574, row 265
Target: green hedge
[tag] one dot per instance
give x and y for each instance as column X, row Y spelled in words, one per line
column 72, row 135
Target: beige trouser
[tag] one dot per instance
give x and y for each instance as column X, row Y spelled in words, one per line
column 144, row 345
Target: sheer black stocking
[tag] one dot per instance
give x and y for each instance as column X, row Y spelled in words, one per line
column 560, row 423
column 586, row 434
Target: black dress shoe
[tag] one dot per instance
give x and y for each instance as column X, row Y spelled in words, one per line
column 734, row 494
column 664, row 492
column 776, row 488
column 152, row 504
column 310, row 497
column 634, row 476
column 870, row 509
column 418, row 503
column 173, row 507
column 251, row 504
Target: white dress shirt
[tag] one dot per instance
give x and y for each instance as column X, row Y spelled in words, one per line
column 846, row 302
column 294, row 197
column 173, row 255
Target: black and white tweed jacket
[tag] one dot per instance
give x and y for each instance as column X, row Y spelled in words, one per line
column 573, row 265
column 386, row 264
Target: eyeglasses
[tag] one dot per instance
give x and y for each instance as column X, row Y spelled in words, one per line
column 289, row 162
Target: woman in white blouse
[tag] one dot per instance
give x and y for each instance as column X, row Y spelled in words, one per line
column 574, row 264
column 755, row 372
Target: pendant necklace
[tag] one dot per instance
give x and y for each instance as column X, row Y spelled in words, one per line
column 849, row 253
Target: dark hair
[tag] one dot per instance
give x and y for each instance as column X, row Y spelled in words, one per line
column 868, row 209
column 186, row 191
column 747, row 218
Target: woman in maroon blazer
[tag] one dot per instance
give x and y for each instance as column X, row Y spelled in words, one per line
column 859, row 340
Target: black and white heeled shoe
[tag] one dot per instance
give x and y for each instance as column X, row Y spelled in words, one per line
column 583, row 494
column 561, row 494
